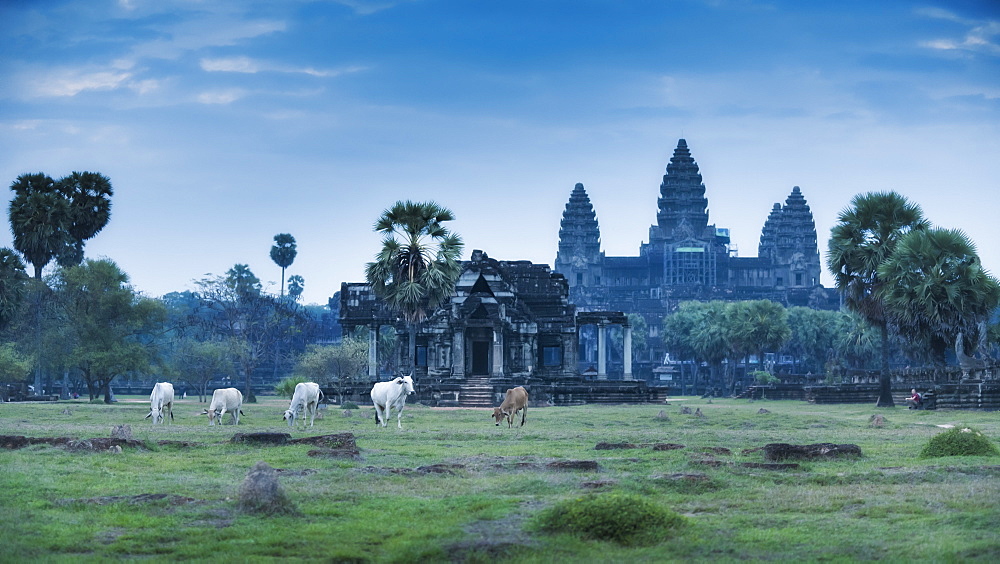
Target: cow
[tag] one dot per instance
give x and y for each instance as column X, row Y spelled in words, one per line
column 223, row 400
column 387, row 395
column 160, row 399
column 306, row 398
column 516, row 399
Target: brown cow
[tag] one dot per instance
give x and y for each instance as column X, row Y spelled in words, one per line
column 515, row 400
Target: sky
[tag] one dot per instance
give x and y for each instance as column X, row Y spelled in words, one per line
column 224, row 123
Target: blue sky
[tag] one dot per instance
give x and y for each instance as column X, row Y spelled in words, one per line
column 223, row 123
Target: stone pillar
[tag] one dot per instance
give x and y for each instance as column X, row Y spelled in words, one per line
column 497, row 353
column 373, row 352
column 458, row 354
column 628, row 352
column 602, row 353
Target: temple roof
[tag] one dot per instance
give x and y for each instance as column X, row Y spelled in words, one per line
column 579, row 232
column 682, row 202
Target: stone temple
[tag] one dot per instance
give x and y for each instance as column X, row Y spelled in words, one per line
column 688, row 258
column 515, row 322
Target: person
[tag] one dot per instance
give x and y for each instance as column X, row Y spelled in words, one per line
column 914, row 400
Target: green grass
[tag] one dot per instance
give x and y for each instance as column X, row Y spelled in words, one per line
column 890, row 504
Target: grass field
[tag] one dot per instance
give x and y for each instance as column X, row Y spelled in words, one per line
column 887, row 505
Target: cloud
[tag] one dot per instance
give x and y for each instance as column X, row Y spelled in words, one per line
column 982, row 35
column 367, row 7
column 251, row 66
column 72, row 82
column 221, row 96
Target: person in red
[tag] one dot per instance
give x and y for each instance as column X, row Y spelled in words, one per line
column 914, row 400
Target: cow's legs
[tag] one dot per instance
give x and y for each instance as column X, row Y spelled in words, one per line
column 399, row 416
column 381, row 414
column 524, row 414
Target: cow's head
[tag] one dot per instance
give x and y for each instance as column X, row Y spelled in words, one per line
column 498, row 415
column 211, row 416
column 407, row 383
column 156, row 414
column 289, row 416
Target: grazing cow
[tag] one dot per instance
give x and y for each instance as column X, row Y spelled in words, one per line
column 161, row 398
column 386, row 395
column 223, row 400
column 306, row 398
column 516, row 399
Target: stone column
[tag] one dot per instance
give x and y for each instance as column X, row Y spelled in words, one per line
column 458, row 354
column 497, row 353
column 602, row 353
column 628, row 352
column 373, row 352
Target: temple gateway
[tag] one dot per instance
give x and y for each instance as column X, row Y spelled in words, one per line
column 565, row 332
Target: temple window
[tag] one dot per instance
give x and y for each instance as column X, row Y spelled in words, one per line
column 552, row 356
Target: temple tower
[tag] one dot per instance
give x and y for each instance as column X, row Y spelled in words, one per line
column 683, row 207
column 579, row 256
column 789, row 240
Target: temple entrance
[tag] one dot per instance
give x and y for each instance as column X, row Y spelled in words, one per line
column 481, row 358
column 480, row 345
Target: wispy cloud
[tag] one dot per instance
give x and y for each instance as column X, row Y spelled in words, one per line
column 72, row 82
column 368, row 7
column 981, row 37
column 251, row 66
column 221, row 96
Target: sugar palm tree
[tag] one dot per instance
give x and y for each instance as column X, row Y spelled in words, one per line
column 419, row 263
column 936, row 286
column 89, row 197
column 283, row 254
column 863, row 239
column 39, row 219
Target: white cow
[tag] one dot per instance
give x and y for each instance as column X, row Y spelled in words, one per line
column 161, row 398
column 223, row 400
column 306, row 398
column 386, row 395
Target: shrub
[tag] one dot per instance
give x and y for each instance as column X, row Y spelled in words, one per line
column 764, row 377
column 348, row 405
column 286, row 387
column 960, row 441
column 624, row 519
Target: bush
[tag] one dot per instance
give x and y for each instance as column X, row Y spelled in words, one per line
column 624, row 519
column 286, row 387
column 348, row 405
column 960, row 441
column 764, row 377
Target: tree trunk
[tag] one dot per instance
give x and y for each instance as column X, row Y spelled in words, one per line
column 885, row 379
column 412, row 347
column 108, row 394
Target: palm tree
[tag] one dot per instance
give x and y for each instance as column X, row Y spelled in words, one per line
column 89, row 196
column 865, row 237
column 283, row 254
column 39, row 219
column 417, row 271
column 937, row 288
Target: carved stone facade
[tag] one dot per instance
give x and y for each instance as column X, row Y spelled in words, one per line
column 687, row 258
column 506, row 320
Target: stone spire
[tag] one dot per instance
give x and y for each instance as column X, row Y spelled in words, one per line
column 579, row 234
column 682, row 202
column 789, row 239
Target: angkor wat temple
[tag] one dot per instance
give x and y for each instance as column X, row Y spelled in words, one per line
column 687, row 258
column 515, row 322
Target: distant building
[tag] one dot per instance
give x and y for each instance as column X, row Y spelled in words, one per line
column 687, row 258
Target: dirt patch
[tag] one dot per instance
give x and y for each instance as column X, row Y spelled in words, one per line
column 783, row 451
column 262, row 438
column 499, row 539
column 168, row 499
column 445, row 468
column 11, row 442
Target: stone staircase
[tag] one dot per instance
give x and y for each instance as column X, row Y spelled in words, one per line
column 476, row 392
